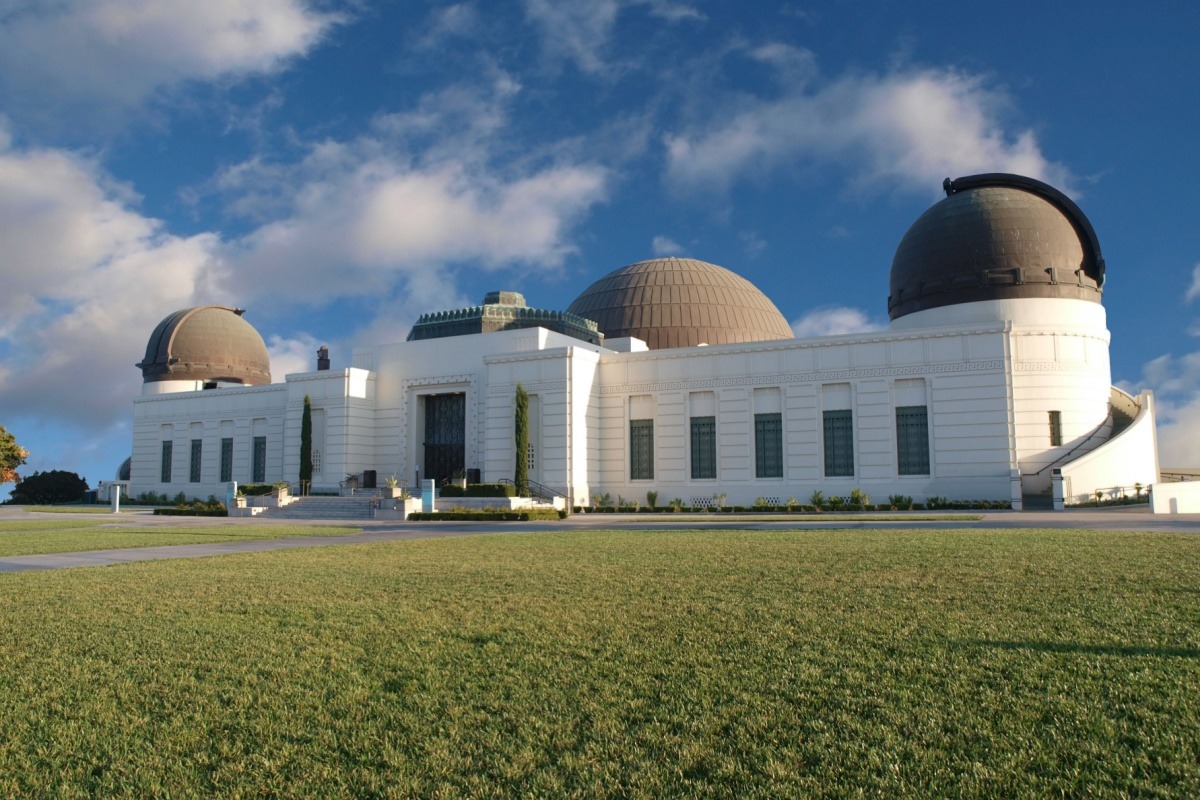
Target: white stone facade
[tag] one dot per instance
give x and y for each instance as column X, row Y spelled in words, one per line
column 1000, row 382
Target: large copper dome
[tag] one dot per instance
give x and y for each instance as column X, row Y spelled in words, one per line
column 680, row 302
column 207, row 343
column 996, row 237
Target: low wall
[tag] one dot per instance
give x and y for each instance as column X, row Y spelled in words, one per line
column 1129, row 458
column 1175, row 498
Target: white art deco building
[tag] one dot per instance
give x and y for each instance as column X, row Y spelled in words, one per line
column 991, row 382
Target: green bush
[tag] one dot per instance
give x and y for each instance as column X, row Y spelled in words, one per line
column 515, row 515
column 255, row 489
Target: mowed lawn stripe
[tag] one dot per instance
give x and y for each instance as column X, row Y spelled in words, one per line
column 24, row 538
column 633, row 664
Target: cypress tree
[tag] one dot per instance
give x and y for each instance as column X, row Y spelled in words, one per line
column 521, row 429
column 306, row 465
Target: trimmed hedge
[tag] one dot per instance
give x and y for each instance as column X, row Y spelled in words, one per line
column 522, row 515
column 255, row 489
column 479, row 490
column 192, row 511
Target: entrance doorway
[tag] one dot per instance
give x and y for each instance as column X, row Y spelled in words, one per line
column 445, row 435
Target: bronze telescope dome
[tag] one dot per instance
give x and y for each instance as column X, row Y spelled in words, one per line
column 206, row 343
column 996, row 236
column 680, row 302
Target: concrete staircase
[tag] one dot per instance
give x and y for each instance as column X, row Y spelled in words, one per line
column 356, row 507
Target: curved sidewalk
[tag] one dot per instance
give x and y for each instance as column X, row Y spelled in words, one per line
column 1126, row 518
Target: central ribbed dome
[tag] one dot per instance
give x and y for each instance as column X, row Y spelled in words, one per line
column 680, row 302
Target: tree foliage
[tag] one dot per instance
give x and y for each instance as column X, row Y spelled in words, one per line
column 521, row 429
column 55, row 486
column 306, row 460
column 12, row 455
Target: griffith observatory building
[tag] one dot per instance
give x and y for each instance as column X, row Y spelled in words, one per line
column 991, row 382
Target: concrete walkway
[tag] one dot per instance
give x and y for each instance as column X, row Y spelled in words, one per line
column 1123, row 518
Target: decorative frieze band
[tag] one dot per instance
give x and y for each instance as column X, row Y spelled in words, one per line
column 806, row 377
column 532, row 388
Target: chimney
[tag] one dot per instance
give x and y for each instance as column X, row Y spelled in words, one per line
column 323, row 359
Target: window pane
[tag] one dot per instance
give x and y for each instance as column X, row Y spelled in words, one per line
column 839, row 443
column 197, row 453
column 167, row 448
column 768, row 445
column 704, row 447
column 226, row 460
column 912, row 440
column 641, row 449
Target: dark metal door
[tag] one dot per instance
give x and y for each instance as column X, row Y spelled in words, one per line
column 445, row 434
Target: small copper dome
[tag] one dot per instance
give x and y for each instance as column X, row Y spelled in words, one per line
column 206, row 343
column 996, row 237
column 680, row 302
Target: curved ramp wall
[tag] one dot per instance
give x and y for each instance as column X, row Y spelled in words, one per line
column 1128, row 458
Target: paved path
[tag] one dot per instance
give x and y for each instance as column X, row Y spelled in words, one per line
column 1134, row 518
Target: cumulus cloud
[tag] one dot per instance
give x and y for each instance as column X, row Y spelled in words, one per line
column 834, row 321
column 425, row 191
column 1175, row 381
column 665, row 246
column 910, row 127
column 86, row 278
column 95, row 54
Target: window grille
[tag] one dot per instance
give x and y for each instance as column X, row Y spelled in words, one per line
column 912, row 440
column 839, row 443
column 167, row 448
column 196, row 456
column 530, row 457
column 641, row 449
column 226, row 460
column 316, row 461
column 1055, row 428
column 704, row 447
column 259, row 466
column 768, row 445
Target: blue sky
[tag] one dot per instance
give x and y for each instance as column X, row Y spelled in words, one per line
column 339, row 167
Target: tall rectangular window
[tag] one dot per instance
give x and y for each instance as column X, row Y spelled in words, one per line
column 226, row 460
column 839, row 443
column 197, row 454
column 641, row 449
column 1055, row 428
column 167, row 453
column 768, row 445
column 704, row 447
column 259, row 465
column 912, row 440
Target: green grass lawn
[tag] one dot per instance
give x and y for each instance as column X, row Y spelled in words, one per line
column 833, row 664
column 86, row 510
column 35, row 537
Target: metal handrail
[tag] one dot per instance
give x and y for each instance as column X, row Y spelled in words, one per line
column 534, row 489
column 1108, row 422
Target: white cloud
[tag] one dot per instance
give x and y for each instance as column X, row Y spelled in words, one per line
column 834, row 321
column 94, row 54
column 86, row 278
column 579, row 30
column 911, row 127
column 1194, row 290
column 665, row 246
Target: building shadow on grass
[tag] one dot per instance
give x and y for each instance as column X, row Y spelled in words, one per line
column 1085, row 649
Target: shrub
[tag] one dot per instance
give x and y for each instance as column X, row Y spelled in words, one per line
column 54, row 486
column 817, row 499
column 837, row 503
column 255, row 489
column 900, row 501
column 486, row 515
column 858, row 499
column 652, row 498
column 934, row 502
column 677, row 504
column 479, row 490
